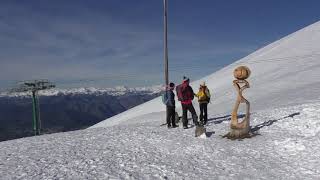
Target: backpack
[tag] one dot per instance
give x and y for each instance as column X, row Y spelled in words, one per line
column 202, row 96
column 179, row 92
column 184, row 93
column 164, row 98
column 208, row 94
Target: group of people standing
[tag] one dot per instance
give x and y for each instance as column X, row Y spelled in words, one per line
column 185, row 95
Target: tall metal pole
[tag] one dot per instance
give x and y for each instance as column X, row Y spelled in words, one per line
column 34, row 112
column 166, row 71
column 38, row 115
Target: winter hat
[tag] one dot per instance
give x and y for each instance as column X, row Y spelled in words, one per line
column 185, row 79
column 203, row 84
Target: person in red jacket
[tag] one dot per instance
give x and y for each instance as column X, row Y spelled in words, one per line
column 185, row 96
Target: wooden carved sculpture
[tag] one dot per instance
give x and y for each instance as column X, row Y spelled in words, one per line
column 240, row 129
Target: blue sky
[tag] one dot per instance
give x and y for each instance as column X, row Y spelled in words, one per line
column 79, row 43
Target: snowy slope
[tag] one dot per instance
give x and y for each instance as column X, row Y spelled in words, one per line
column 132, row 145
column 285, row 72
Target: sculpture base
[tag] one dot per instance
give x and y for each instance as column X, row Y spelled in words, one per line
column 238, row 134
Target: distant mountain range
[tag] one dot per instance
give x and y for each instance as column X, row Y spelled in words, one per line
column 117, row 91
column 67, row 109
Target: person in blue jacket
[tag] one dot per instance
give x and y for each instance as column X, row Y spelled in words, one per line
column 168, row 100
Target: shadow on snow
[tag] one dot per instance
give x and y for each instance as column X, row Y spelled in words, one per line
column 270, row 122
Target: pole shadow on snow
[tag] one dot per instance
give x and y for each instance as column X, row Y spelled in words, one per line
column 218, row 120
column 215, row 120
column 270, row 122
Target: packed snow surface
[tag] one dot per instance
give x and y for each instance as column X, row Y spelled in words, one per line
column 285, row 103
column 287, row 148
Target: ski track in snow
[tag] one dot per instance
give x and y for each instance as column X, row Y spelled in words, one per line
column 287, row 148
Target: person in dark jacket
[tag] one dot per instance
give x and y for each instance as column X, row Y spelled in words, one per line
column 171, row 105
column 185, row 95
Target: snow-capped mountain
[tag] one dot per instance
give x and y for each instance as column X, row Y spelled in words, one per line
column 117, row 91
column 285, row 101
column 66, row 110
